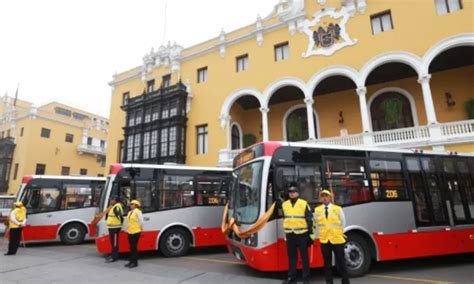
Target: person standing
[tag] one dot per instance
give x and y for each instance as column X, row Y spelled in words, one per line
column 16, row 223
column 114, row 220
column 298, row 225
column 134, row 229
column 331, row 221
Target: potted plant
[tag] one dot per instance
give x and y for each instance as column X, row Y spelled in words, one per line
column 470, row 108
column 249, row 140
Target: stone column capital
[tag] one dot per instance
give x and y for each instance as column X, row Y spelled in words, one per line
column 361, row 91
column 423, row 79
column 264, row 110
column 308, row 101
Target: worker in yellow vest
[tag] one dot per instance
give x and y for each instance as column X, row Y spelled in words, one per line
column 331, row 221
column 134, row 229
column 114, row 220
column 298, row 225
column 16, row 223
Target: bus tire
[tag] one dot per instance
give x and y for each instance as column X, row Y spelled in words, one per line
column 72, row 234
column 358, row 256
column 175, row 242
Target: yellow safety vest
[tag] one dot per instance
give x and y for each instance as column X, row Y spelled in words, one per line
column 330, row 229
column 295, row 221
column 114, row 221
column 20, row 215
column 134, row 225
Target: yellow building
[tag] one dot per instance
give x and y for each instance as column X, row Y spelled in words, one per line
column 350, row 72
column 53, row 139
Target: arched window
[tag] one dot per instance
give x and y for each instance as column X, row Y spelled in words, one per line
column 297, row 125
column 236, row 137
column 391, row 110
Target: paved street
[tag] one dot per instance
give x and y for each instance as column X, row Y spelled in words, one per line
column 59, row 264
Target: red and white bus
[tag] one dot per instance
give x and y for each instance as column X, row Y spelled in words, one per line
column 182, row 206
column 398, row 203
column 60, row 208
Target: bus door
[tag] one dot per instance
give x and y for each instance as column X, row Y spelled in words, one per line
column 459, row 189
column 42, row 198
column 429, row 201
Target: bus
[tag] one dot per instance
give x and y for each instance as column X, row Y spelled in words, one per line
column 60, row 208
column 6, row 205
column 182, row 206
column 398, row 203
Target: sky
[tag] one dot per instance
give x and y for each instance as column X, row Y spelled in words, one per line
column 68, row 51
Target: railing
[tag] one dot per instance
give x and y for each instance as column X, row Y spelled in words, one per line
column 91, row 149
column 349, row 140
column 227, row 156
column 458, row 128
column 401, row 135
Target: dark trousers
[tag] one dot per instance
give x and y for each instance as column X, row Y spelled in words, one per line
column 133, row 241
column 114, row 242
column 15, row 237
column 296, row 242
column 338, row 250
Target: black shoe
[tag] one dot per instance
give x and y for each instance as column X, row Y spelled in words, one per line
column 7, row 253
column 128, row 264
column 132, row 265
column 110, row 260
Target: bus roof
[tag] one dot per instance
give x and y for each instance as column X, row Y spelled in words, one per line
column 115, row 168
column 28, row 178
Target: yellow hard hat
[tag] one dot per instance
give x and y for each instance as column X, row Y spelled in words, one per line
column 18, row 204
column 325, row 191
column 135, row 202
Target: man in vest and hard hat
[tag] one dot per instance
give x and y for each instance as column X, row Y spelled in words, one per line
column 298, row 225
column 134, row 229
column 114, row 220
column 331, row 222
column 16, row 223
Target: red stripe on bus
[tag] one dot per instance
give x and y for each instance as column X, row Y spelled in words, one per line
column 39, row 233
column 206, row 237
column 420, row 244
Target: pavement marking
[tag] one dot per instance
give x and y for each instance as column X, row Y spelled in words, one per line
column 212, row 260
column 420, row 280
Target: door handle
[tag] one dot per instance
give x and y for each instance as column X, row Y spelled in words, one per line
column 146, row 218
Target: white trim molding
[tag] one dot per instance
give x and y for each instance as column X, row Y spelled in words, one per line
column 283, row 82
column 230, row 100
column 336, row 70
column 292, row 109
column 241, row 135
column 466, row 39
column 402, row 92
column 407, row 58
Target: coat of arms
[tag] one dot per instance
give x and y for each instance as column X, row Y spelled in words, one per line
column 327, row 37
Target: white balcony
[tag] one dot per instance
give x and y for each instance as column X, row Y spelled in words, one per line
column 91, row 149
column 414, row 137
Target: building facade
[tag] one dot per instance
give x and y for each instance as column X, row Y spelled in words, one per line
column 346, row 72
column 53, row 139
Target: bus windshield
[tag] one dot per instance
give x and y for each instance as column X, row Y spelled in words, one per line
column 245, row 195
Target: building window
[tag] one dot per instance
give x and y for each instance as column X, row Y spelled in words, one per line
column 391, row 110
column 202, row 75
column 130, row 148
column 297, row 125
column 150, row 86
column 45, row 132
column 102, row 144
column 155, row 113
column 166, row 81
column 65, row 171
column 120, row 151
column 447, row 6
column 282, row 51
column 147, row 115
column 63, row 111
column 172, row 142
column 242, row 63
column 136, row 152
column 138, row 117
column 165, row 111
column 236, row 138
column 69, row 138
column 89, row 141
column 202, row 133
column 40, row 169
column 21, row 131
column 83, row 172
column 153, row 144
column 125, row 98
column 15, row 172
column 381, row 22
column 146, row 145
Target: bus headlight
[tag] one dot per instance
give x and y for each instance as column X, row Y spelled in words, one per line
column 252, row 241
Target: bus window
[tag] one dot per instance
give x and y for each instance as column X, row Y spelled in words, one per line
column 208, row 190
column 306, row 177
column 387, row 180
column 145, row 192
column 422, row 211
column 346, row 178
column 176, row 191
column 42, row 199
column 76, row 196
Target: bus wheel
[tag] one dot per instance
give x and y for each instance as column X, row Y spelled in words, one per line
column 72, row 234
column 174, row 242
column 357, row 253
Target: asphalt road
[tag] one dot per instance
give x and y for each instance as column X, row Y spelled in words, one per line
column 47, row 263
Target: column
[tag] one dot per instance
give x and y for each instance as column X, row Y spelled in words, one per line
column 264, row 112
column 364, row 112
column 424, row 81
column 229, row 132
column 309, row 112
